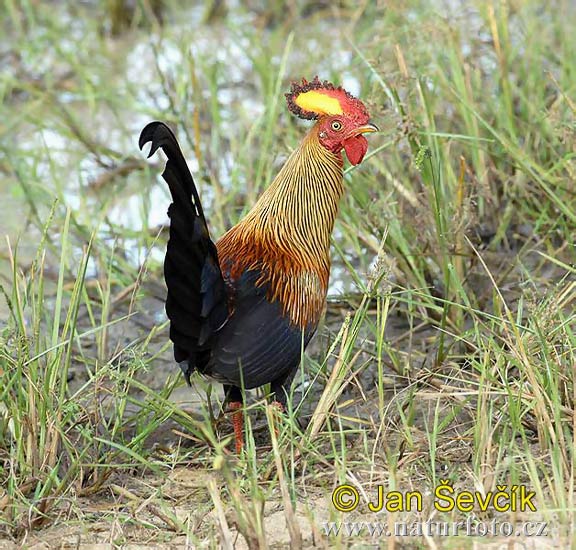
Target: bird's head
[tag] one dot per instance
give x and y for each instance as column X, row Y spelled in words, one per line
column 342, row 118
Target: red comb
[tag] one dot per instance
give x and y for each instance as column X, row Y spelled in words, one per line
column 347, row 102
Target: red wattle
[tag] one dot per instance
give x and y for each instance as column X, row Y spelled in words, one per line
column 355, row 148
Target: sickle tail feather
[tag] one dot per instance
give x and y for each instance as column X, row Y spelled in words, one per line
column 197, row 302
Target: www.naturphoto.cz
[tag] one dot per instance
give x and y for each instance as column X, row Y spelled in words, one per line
column 252, row 253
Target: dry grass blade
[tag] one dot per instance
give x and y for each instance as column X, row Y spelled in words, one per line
column 291, row 522
column 226, row 538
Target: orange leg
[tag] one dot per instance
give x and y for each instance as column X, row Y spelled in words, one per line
column 278, row 405
column 238, row 423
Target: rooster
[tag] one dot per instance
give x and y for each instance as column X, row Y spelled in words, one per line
column 242, row 309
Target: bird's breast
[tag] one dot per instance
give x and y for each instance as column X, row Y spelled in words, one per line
column 291, row 275
column 302, row 293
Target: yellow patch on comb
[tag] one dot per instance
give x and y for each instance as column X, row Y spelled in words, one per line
column 318, row 102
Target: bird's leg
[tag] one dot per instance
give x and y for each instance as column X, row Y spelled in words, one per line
column 279, row 400
column 277, row 409
column 238, row 424
column 279, row 393
column 278, row 406
column 235, row 404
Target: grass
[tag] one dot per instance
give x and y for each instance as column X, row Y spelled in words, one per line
column 448, row 350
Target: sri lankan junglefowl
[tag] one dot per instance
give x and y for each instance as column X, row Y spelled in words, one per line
column 242, row 309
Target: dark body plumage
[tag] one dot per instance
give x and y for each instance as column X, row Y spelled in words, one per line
column 226, row 327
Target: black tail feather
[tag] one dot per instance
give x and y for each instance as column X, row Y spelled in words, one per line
column 197, row 302
column 162, row 137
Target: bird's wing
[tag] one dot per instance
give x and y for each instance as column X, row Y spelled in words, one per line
column 258, row 344
column 197, row 302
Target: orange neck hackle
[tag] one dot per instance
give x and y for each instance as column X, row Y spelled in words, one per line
column 286, row 235
column 285, row 238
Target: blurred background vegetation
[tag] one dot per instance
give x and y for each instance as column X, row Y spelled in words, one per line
column 448, row 347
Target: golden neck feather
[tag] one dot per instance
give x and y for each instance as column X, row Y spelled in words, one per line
column 297, row 211
column 286, row 235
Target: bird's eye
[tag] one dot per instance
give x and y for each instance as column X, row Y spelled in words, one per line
column 336, row 126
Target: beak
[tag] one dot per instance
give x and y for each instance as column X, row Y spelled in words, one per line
column 366, row 129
